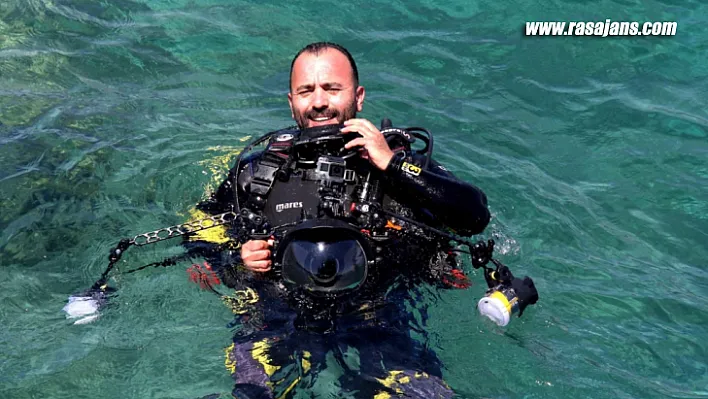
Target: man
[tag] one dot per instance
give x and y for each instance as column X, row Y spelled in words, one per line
column 324, row 89
column 279, row 347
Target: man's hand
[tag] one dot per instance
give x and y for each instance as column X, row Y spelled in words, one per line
column 256, row 255
column 375, row 145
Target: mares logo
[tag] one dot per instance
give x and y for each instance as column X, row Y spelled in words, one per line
column 410, row 169
column 287, row 205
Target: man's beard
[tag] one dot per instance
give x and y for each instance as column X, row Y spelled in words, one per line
column 303, row 119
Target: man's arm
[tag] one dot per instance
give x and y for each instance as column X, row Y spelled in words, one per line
column 254, row 254
column 222, row 200
column 210, row 243
column 460, row 206
column 457, row 204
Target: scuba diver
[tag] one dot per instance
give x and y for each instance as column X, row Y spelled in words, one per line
column 345, row 287
column 327, row 234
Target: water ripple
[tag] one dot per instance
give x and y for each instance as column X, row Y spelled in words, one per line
column 116, row 117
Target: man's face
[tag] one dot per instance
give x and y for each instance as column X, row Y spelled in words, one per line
column 322, row 89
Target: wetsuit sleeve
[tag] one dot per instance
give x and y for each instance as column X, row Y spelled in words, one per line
column 457, row 204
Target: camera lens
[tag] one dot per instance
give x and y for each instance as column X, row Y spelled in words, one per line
column 336, row 171
column 327, row 270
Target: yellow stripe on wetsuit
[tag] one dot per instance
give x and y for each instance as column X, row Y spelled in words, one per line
column 218, row 166
column 259, row 352
column 214, row 235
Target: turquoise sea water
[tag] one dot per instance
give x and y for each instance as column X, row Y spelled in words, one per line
column 116, row 117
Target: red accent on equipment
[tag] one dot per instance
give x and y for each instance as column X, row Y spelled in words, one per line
column 205, row 277
column 459, row 279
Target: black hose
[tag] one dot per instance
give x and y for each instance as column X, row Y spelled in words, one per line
column 429, row 143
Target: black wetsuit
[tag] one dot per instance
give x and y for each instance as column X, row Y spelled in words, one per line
column 275, row 338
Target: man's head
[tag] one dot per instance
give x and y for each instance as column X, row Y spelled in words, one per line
column 324, row 85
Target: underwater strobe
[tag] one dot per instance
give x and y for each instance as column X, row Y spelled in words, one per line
column 507, row 295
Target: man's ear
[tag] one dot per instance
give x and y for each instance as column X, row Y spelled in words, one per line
column 360, row 94
column 290, row 101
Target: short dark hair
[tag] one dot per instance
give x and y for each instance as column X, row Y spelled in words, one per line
column 316, row 48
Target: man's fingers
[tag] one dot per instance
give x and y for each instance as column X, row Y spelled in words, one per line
column 369, row 125
column 255, row 245
column 360, row 121
column 259, row 266
column 355, row 143
column 361, row 126
column 355, row 129
column 257, row 255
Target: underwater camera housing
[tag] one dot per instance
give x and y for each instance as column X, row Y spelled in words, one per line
column 324, row 256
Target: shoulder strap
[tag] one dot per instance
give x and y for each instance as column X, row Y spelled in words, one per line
column 274, row 160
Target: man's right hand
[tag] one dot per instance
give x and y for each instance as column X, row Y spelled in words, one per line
column 255, row 255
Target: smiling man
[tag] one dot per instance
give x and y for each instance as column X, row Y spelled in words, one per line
column 324, row 86
column 324, row 89
column 292, row 340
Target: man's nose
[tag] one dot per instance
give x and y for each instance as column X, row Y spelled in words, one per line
column 321, row 100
